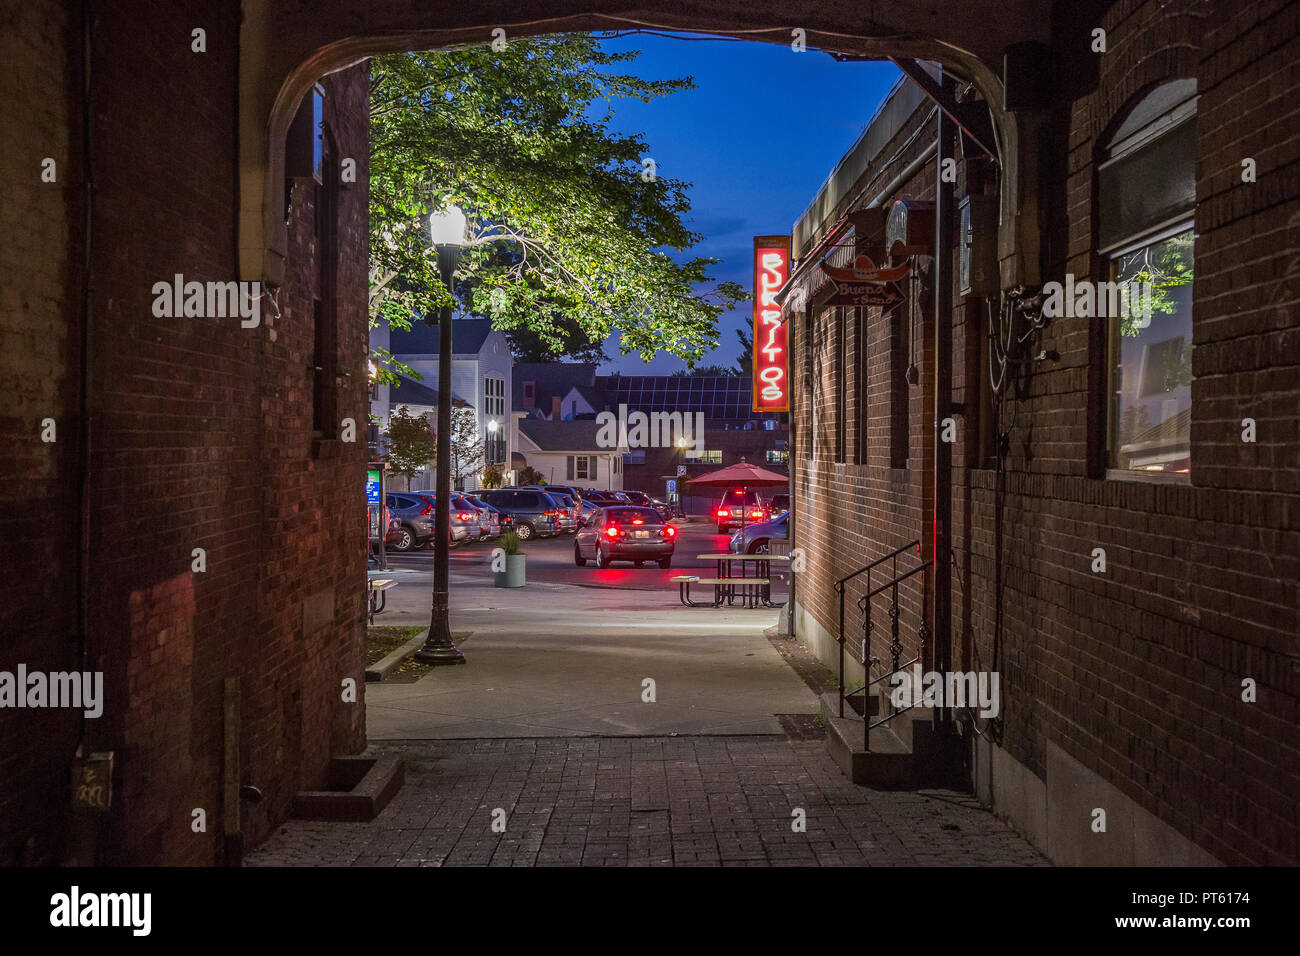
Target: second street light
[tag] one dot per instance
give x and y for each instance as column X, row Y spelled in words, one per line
column 447, row 230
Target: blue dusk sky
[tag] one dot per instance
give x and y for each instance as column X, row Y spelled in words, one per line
column 756, row 138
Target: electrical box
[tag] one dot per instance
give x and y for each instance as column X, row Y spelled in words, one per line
column 977, row 257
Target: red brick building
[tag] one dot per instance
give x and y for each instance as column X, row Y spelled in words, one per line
column 182, row 433
column 1121, row 688
column 155, row 139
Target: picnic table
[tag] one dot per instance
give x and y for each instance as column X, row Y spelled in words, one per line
column 376, row 591
column 753, row 591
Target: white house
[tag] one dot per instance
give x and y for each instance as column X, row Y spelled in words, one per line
column 480, row 378
column 567, row 452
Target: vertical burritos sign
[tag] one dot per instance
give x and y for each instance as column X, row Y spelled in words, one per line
column 771, row 365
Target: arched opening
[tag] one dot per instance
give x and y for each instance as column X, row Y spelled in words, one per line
column 277, row 76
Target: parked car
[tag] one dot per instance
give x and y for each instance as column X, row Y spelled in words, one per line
column 466, row 510
column 624, row 533
column 607, row 497
column 463, row 523
column 489, row 517
column 757, row 538
column 415, row 514
column 739, row 506
column 532, row 512
column 645, row 501
column 570, row 513
column 779, row 504
column 573, row 491
column 586, row 508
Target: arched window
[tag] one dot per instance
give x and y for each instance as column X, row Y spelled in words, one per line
column 1146, row 226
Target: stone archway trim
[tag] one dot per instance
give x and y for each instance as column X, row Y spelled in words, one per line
column 283, row 54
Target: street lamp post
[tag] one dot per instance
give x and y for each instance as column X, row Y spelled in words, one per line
column 447, row 229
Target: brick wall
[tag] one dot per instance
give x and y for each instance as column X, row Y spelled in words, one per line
column 201, row 437
column 1135, row 673
column 40, row 344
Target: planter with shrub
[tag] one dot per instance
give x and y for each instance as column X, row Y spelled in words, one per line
column 512, row 576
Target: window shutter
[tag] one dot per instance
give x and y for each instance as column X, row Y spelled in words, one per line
column 591, row 468
column 568, row 468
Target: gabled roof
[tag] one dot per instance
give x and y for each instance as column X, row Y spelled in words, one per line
column 563, row 436
column 410, row 392
column 551, row 379
column 467, row 337
column 597, row 398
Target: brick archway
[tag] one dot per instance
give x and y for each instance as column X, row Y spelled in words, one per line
column 283, row 52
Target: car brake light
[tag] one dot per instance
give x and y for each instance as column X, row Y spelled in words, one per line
column 612, row 531
column 463, row 516
column 722, row 512
column 670, row 531
column 427, row 509
column 638, row 521
column 756, row 514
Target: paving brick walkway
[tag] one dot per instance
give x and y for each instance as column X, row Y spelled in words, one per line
column 660, row 801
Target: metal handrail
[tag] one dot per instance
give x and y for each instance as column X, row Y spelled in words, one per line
column 839, row 585
column 894, row 583
column 840, row 590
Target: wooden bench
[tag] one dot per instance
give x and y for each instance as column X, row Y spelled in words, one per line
column 752, row 591
column 376, row 588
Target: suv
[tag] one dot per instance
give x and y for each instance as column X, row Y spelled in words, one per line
column 571, row 490
column 779, row 504
column 531, row 512
column 416, row 516
column 567, row 498
column 738, row 507
column 462, row 526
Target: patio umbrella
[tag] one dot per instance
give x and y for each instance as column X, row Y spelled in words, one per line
column 746, row 476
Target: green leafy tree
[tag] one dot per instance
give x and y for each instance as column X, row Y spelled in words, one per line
column 411, row 443
column 704, row 370
column 745, row 364
column 528, row 475
column 572, row 235
column 527, row 345
column 466, row 446
column 1165, row 266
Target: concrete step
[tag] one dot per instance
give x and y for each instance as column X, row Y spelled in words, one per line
column 888, row 763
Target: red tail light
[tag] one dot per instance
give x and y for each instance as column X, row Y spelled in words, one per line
column 670, row 531
column 756, row 514
column 722, row 512
column 464, row 516
column 427, row 509
column 551, row 514
column 638, row 521
column 612, row 532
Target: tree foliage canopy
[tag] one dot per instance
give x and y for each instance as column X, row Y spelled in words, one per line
column 571, row 234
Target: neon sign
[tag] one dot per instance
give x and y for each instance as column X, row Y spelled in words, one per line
column 771, row 360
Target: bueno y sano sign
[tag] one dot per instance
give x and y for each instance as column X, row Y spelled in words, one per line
column 771, row 365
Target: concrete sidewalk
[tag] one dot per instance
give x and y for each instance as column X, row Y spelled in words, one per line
column 552, row 660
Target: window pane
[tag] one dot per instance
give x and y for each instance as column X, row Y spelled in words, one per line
column 1149, row 186
column 1151, row 359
